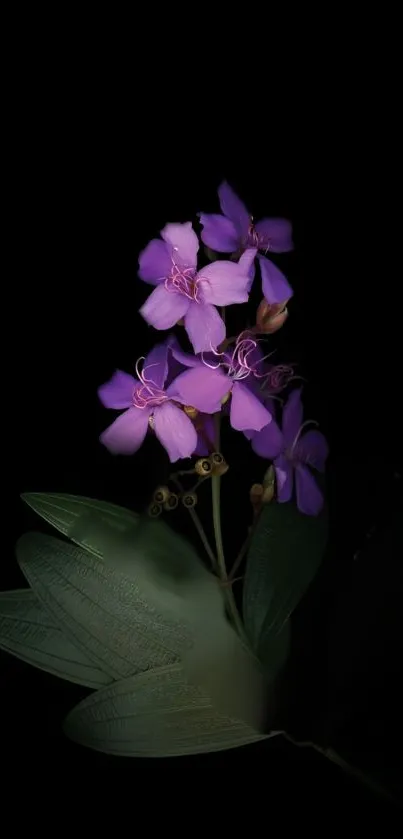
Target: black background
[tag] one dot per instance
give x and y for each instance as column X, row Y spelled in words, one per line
column 92, row 181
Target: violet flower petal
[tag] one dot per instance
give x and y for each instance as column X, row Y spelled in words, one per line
column 201, row 387
column 155, row 365
column 277, row 234
column 292, row 416
column 204, row 326
column 117, row 393
column 187, row 359
column 247, row 263
column 184, row 243
column 312, row 449
column 234, row 209
column 219, row 233
column 309, row 496
column 127, row 433
column 207, row 427
column 284, row 478
column 164, row 308
column 275, row 286
column 175, row 431
column 155, row 262
column 268, row 442
column 224, row 283
column 247, row 412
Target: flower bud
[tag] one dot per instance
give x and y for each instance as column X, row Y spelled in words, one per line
column 154, row 510
column 161, row 494
column 256, row 494
column 203, row 467
column 271, row 316
column 189, row 499
column 172, row 501
column 219, row 464
column 269, row 480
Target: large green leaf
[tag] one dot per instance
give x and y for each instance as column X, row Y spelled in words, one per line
column 155, row 714
column 65, row 512
column 285, row 553
column 28, row 631
column 104, row 613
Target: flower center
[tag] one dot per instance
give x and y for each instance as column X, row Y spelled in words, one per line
column 253, row 239
column 183, row 281
column 147, row 394
column 237, row 365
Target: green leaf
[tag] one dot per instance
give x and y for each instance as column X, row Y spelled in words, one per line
column 65, row 512
column 102, row 612
column 285, row 553
column 30, row 633
column 155, row 714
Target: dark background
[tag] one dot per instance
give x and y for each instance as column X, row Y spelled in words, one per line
column 92, row 183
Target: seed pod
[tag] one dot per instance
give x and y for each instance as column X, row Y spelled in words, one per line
column 161, row 494
column 154, row 510
column 203, row 467
column 190, row 411
column 172, row 501
column 219, row 464
column 189, row 499
column 269, row 481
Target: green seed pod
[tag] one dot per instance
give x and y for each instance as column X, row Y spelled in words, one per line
column 161, row 494
column 189, row 499
column 203, row 467
column 218, row 463
column 154, row 510
column 172, row 501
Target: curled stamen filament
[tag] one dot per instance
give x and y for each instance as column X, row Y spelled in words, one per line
column 149, row 393
column 298, row 435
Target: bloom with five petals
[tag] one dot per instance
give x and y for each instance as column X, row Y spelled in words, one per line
column 170, row 263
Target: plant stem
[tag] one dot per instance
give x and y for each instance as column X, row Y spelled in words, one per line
column 198, row 525
column 222, row 571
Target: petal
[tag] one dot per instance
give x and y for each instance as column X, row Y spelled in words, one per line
column 187, row 359
column 292, row 416
column 284, row 478
column 269, row 441
column 184, row 242
column 155, row 365
column 127, row 433
column 204, row 425
column 155, row 262
column 164, row 308
column 275, row 286
column 175, row 431
column 223, row 283
column 276, row 233
column 219, row 233
column 312, row 449
column 309, row 496
column 205, row 327
column 117, row 393
column 247, row 411
column 201, row 387
column 234, row 208
column 247, row 263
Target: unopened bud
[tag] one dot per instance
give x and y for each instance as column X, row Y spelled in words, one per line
column 203, row 467
column 154, row 510
column 271, row 316
column 189, row 499
column 161, row 494
column 190, row 411
column 172, row 502
column 219, row 464
column 255, row 494
column 269, row 480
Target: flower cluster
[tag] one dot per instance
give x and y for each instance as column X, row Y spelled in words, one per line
column 174, row 393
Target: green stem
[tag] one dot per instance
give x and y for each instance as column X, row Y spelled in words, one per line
column 222, row 570
column 198, row 525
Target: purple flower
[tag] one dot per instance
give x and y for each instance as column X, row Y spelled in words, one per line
column 292, row 452
column 184, row 292
column 210, row 381
column 147, row 404
column 235, row 231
